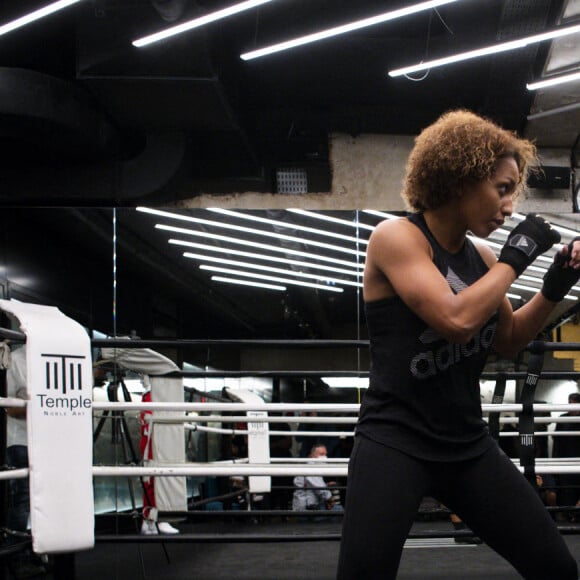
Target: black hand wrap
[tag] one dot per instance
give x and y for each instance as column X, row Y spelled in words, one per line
column 527, row 241
column 560, row 277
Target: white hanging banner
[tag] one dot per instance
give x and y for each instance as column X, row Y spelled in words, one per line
column 168, row 445
column 59, row 425
column 258, row 438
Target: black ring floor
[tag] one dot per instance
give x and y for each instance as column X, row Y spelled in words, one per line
column 422, row 559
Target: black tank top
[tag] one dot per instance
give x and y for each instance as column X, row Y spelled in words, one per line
column 424, row 396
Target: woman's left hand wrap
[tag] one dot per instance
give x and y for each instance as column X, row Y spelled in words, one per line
column 560, row 277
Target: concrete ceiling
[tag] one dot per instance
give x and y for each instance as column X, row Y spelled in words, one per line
column 86, row 118
column 89, row 121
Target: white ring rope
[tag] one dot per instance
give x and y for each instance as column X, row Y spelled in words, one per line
column 244, row 469
column 224, row 431
column 541, row 433
column 289, row 466
column 12, row 402
column 14, row 473
column 244, row 419
column 282, row 407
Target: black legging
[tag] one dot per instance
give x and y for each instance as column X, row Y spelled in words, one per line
column 385, row 489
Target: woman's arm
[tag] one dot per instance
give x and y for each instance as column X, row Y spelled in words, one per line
column 399, row 261
column 516, row 329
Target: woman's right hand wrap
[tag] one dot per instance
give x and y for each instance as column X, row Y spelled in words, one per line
column 560, row 277
column 527, row 241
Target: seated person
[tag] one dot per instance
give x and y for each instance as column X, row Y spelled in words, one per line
column 547, row 489
column 312, row 491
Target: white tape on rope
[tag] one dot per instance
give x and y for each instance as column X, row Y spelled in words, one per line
column 59, row 425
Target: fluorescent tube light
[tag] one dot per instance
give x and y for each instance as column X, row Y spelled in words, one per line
column 251, row 266
column 331, row 219
column 537, row 269
column 254, row 231
column 290, row 226
column 550, row 82
column 538, row 281
column 264, row 257
column 247, row 283
column 270, row 278
column 521, row 217
column 36, row 15
column 515, row 296
column 496, row 48
column 536, row 290
column 523, row 287
column 343, row 29
column 197, row 22
column 258, row 245
column 553, row 111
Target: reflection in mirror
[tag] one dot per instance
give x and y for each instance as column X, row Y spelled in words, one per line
column 218, row 275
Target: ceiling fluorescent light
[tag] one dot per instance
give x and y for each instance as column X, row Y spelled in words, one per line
column 554, row 111
column 247, row 283
column 264, row 257
column 254, row 231
column 36, row 15
column 558, row 228
column 331, row 219
column 538, row 281
column 496, row 48
column 523, row 287
column 270, row 278
column 550, row 82
column 545, row 259
column 565, row 231
column 288, row 225
column 514, row 296
column 251, row 266
column 258, row 245
column 536, row 269
column 343, row 29
column 197, row 22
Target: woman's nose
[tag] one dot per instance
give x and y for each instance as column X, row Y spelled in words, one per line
column 507, row 206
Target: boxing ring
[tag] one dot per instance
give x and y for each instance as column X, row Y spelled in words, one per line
column 257, row 421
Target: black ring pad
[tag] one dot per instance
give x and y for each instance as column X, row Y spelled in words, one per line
column 526, row 420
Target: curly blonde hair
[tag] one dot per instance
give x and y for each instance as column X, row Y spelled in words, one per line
column 457, row 149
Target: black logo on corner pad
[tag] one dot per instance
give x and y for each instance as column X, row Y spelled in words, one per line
column 63, row 372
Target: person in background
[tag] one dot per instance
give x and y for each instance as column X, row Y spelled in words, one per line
column 150, row 524
column 312, row 492
column 436, row 305
column 546, row 484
